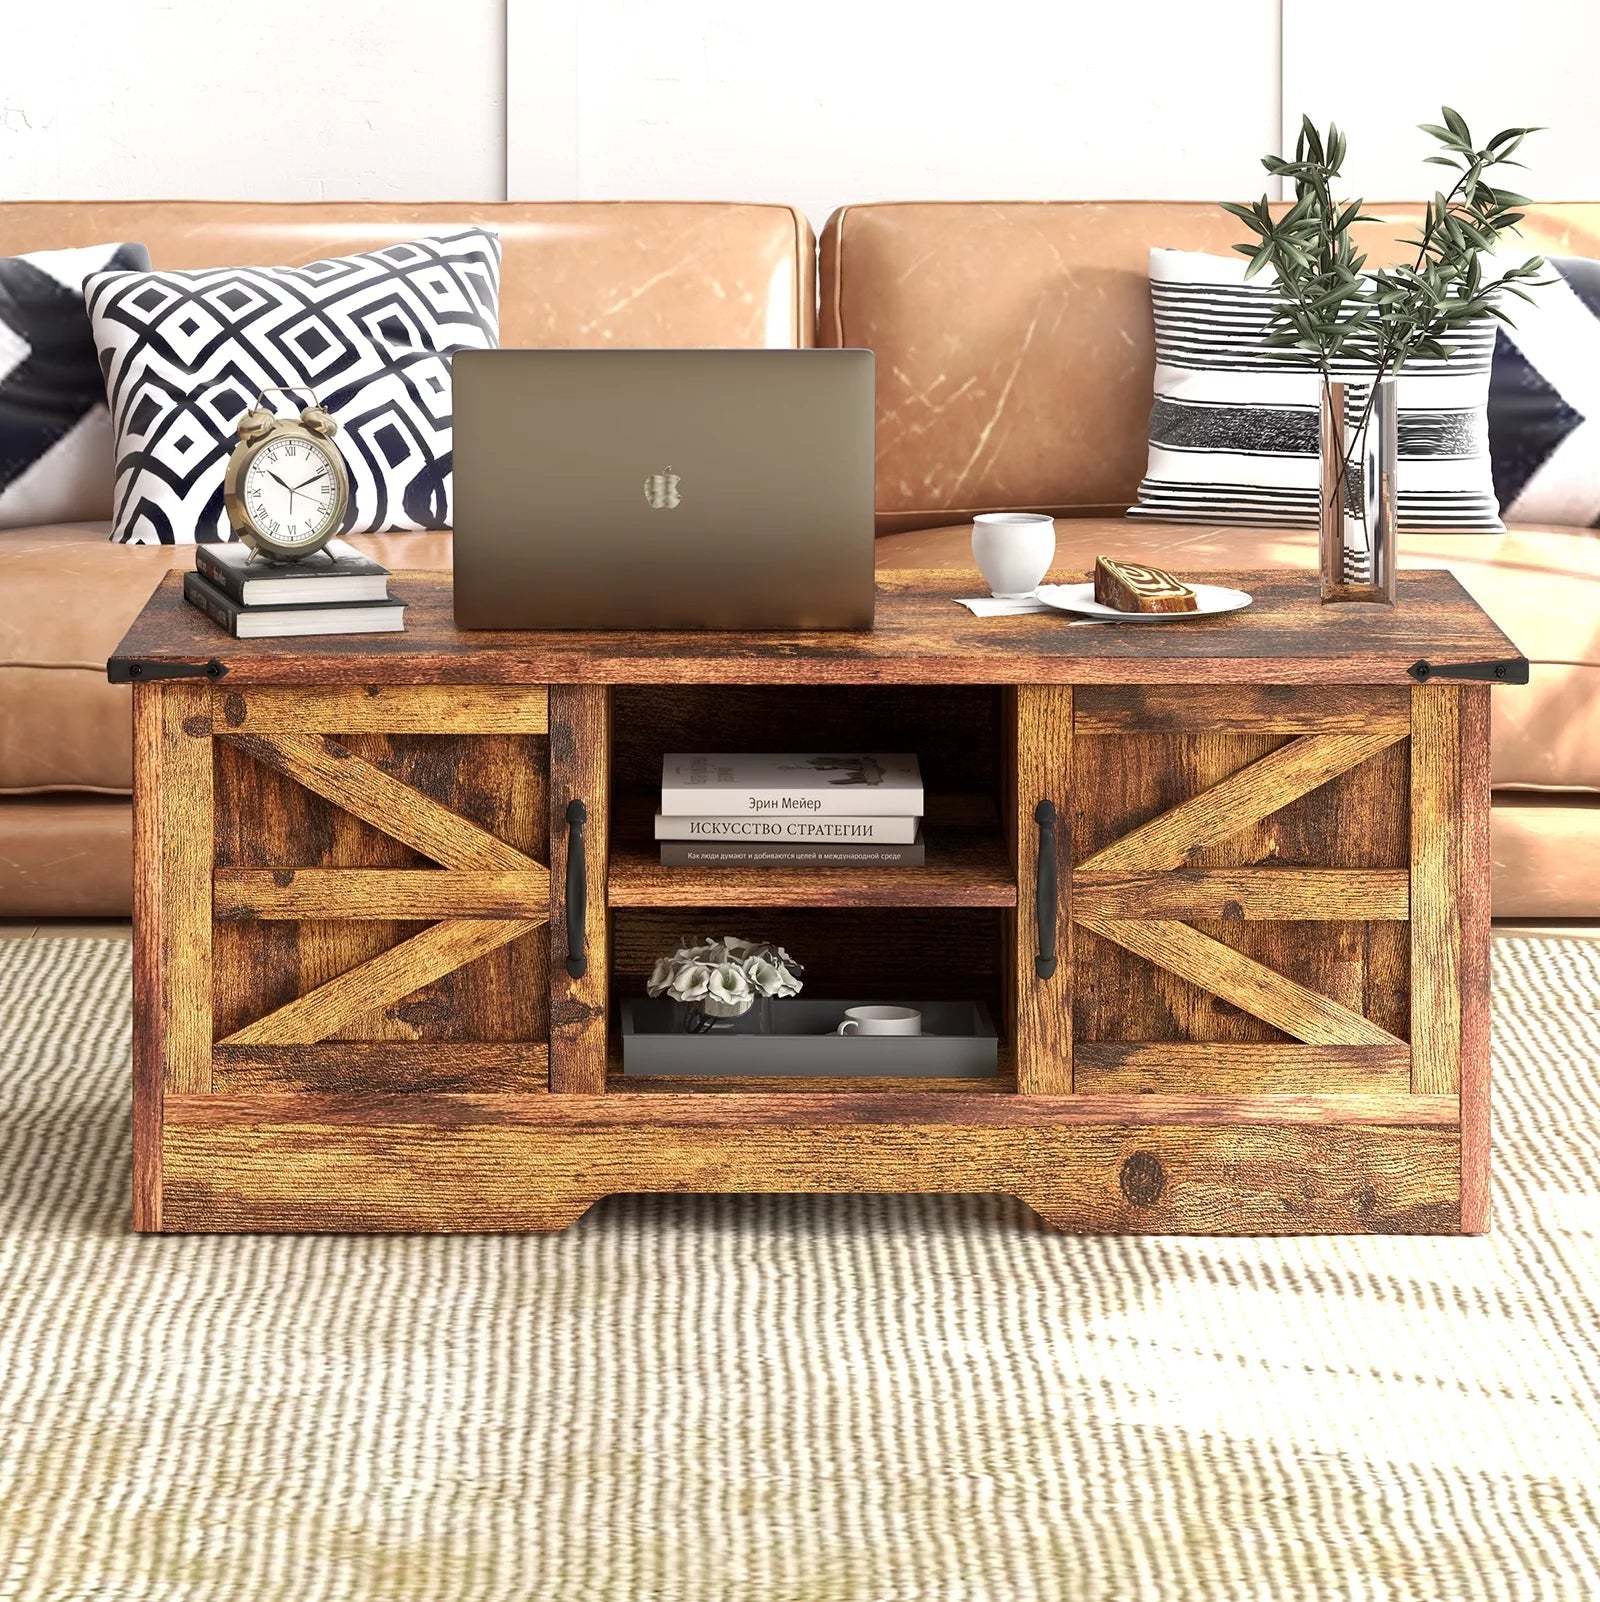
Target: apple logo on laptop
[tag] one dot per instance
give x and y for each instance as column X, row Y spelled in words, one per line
column 661, row 490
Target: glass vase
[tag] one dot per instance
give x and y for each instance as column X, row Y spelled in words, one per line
column 1358, row 446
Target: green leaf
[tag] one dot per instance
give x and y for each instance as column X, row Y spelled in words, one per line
column 1245, row 214
column 1258, row 259
column 1456, row 123
column 1336, row 147
column 1313, row 140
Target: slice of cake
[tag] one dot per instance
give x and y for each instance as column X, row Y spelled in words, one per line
column 1133, row 587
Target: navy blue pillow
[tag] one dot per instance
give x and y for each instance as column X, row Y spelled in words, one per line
column 1544, row 400
column 55, row 432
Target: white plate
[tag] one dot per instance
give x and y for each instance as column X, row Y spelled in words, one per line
column 1210, row 599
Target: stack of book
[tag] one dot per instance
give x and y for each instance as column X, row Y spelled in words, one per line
column 339, row 592
column 804, row 811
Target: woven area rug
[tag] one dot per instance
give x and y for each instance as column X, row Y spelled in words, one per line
column 786, row 1399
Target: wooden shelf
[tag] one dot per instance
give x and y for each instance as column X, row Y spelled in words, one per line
column 963, row 870
column 967, row 866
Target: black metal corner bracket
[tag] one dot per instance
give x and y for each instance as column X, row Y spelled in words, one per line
column 121, row 671
column 1514, row 671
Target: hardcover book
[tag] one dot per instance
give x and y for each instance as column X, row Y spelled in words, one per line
column 350, row 576
column 790, row 828
column 273, row 622
column 818, row 784
column 694, row 854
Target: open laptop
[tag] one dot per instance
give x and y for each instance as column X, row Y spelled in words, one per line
column 654, row 489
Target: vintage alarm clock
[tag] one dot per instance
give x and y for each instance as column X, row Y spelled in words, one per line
column 286, row 487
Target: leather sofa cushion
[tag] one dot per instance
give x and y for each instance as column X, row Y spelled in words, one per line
column 1016, row 354
column 66, row 598
column 1546, row 855
column 66, row 856
column 677, row 273
column 1541, row 585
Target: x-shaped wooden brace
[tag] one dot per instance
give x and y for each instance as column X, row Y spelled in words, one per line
column 1166, row 843
column 479, row 870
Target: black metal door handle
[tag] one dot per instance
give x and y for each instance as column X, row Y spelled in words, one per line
column 1044, row 887
column 577, row 890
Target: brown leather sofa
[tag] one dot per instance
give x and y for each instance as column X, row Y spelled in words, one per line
column 1015, row 356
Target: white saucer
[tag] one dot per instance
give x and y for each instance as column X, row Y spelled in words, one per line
column 1210, row 599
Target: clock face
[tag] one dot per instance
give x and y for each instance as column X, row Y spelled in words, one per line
column 291, row 491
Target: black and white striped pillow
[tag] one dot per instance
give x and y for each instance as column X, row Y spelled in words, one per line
column 1233, row 431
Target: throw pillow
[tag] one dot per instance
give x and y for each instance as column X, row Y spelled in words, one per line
column 1233, row 431
column 55, row 433
column 184, row 353
column 1544, row 400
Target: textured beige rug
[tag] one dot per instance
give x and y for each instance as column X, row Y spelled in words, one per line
column 792, row 1400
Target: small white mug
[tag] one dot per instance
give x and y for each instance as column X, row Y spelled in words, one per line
column 1013, row 551
column 881, row 1021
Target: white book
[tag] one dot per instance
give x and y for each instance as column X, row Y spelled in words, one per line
column 818, row 784
column 789, row 828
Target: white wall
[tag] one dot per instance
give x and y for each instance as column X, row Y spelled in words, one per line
column 252, row 99
column 812, row 101
column 842, row 100
column 888, row 99
column 1500, row 65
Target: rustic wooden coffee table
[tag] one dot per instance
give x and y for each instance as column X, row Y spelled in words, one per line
column 1224, row 883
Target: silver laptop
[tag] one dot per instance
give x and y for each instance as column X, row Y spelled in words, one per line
column 655, row 489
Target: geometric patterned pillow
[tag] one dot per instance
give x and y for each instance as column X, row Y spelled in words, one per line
column 1544, row 400
column 183, row 353
column 55, row 435
column 1233, row 427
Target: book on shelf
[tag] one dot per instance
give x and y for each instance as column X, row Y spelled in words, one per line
column 822, row 854
column 349, row 576
column 791, row 828
column 817, row 784
column 273, row 622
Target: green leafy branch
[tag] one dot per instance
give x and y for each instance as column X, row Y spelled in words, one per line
column 1334, row 308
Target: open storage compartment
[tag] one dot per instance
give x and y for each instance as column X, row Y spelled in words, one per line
column 903, row 956
column 955, row 732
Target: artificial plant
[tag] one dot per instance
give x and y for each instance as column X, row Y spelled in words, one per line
column 1334, row 308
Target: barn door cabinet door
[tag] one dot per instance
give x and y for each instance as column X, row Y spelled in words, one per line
column 1240, row 890
column 345, row 890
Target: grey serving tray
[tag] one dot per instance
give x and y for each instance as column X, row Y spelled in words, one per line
column 958, row 1042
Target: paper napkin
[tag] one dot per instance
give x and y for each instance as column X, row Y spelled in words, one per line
column 993, row 606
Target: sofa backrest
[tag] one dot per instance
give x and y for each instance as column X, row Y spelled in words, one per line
column 1015, row 347
column 573, row 274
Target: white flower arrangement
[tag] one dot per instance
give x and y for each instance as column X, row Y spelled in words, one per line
column 723, row 977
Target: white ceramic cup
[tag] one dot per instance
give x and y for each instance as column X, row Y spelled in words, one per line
column 1013, row 551
column 881, row 1021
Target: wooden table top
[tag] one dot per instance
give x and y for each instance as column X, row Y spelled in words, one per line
column 921, row 637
